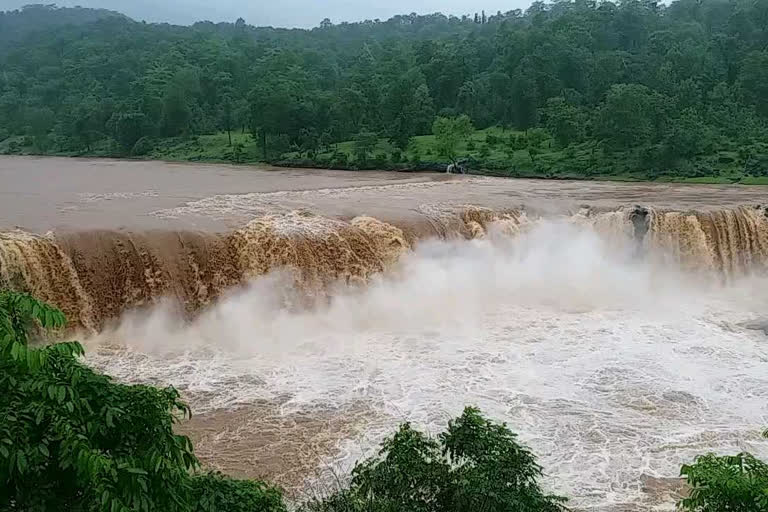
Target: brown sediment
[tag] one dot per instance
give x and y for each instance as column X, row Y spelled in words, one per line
column 659, row 493
column 261, row 441
column 96, row 275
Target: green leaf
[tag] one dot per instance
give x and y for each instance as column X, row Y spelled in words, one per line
column 15, row 351
column 21, row 461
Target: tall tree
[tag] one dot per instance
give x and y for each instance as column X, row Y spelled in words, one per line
column 450, row 132
column 629, row 115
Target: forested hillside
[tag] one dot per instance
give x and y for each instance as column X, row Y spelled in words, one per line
column 583, row 88
column 16, row 25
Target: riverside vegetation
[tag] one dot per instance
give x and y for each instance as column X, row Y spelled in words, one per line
column 571, row 89
column 73, row 440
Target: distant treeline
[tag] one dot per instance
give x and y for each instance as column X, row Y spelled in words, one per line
column 660, row 86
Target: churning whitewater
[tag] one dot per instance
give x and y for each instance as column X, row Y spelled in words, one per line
column 618, row 343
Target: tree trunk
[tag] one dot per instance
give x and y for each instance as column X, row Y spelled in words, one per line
column 229, row 134
column 264, row 143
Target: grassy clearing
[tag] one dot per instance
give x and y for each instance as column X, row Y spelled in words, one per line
column 705, row 180
column 207, row 148
column 755, row 180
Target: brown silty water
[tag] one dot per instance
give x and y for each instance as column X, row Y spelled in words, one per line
column 105, row 239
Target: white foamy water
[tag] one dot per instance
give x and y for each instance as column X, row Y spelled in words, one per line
column 611, row 367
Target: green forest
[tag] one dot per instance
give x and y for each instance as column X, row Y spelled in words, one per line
column 569, row 89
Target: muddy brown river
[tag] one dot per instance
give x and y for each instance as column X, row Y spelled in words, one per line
column 39, row 194
column 621, row 329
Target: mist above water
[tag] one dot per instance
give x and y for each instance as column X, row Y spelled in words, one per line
column 556, row 266
column 612, row 364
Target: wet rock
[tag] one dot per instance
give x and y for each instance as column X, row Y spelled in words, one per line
column 758, row 325
column 640, row 217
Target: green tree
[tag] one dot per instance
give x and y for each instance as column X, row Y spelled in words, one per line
column 274, row 110
column 214, row 492
column 365, row 143
column 687, row 135
column 732, row 483
column 40, row 121
column 227, row 117
column 127, row 128
column 449, row 133
column 85, row 124
column 475, row 464
column 629, row 115
column 565, row 122
column 176, row 113
column 72, row 439
column 754, row 80
column 534, row 139
column 525, row 102
column 407, row 108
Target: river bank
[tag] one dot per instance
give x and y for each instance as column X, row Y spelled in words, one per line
column 578, row 163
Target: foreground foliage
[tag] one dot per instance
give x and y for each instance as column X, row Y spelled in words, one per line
column 474, row 465
column 71, row 439
column 732, row 483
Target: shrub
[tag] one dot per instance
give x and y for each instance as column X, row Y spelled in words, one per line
column 143, row 146
column 474, row 465
column 379, row 161
column 339, row 159
column 215, row 492
column 492, row 140
column 364, row 145
column 738, row 483
column 238, row 152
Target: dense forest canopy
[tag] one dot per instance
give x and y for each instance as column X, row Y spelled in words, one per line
column 658, row 84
